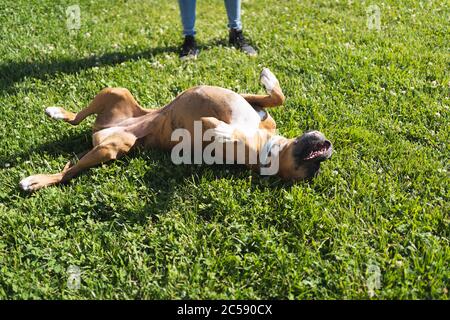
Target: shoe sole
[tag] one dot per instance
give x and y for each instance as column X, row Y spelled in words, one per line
column 189, row 57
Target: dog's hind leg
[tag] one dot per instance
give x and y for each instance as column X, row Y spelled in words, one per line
column 112, row 147
column 111, row 105
column 274, row 97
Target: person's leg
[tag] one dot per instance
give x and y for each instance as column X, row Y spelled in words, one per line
column 234, row 14
column 236, row 38
column 189, row 48
column 187, row 10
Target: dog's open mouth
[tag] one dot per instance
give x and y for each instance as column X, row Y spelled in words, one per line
column 319, row 151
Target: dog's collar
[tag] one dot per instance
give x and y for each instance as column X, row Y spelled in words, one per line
column 268, row 151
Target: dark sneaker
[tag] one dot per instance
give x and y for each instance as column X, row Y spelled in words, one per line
column 189, row 48
column 238, row 40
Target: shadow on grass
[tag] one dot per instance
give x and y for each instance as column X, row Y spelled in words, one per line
column 74, row 143
column 165, row 179
column 12, row 72
column 16, row 71
column 167, row 183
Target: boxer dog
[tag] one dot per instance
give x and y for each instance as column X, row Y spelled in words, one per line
column 233, row 119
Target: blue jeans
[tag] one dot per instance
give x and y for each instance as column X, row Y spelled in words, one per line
column 187, row 9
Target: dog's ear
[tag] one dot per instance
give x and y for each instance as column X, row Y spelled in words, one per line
column 297, row 152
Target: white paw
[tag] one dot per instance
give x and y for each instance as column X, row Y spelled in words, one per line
column 268, row 79
column 27, row 183
column 223, row 132
column 55, row 113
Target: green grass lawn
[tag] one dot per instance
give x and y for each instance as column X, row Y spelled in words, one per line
column 374, row 224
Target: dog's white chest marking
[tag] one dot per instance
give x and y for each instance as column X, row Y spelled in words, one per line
column 244, row 117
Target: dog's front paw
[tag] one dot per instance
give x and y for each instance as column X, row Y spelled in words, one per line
column 223, row 132
column 268, row 80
